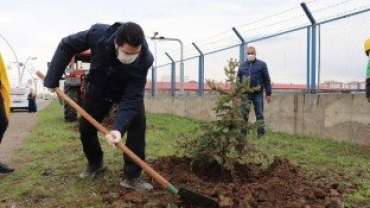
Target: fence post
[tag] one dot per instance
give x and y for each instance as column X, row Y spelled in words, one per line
column 201, row 71
column 242, row 45
column 308, row 13
column 308, row 59
column 173, row 74
column 154, row 80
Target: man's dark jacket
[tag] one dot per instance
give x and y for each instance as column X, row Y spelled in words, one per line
column 108, row 78
column 258, row 73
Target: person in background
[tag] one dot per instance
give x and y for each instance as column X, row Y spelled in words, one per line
column 32, row 108
column 259, row 76
column 4, row 110
column 367, row 52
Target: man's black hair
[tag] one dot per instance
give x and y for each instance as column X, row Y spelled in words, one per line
column 130, row 33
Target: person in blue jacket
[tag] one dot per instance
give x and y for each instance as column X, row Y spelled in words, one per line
column 259, row 76
column 120, row 60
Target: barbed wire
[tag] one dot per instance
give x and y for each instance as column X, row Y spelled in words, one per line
column 254, row 29
column 309, row 2
column 262, row 19
column 279, row 22
column 276, row 23
column 219, row 40
column 345, row 12
column 251, row 23
column 254, row 22
column 331, row 6
column 228, row 31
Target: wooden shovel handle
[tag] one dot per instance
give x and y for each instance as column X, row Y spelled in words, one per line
column 104, row 131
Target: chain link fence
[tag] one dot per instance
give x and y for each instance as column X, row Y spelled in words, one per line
column 341, row 57
column 286, row 58
column 309, row 51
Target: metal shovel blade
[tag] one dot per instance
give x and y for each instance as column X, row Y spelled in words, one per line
column 196, row 199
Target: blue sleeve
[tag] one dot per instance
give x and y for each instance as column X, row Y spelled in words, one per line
column 67, row 48
column 131, row 104
column 239, row 75
column 266, row 79
column 132, row 101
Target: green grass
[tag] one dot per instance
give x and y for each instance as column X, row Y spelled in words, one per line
column 51, row 158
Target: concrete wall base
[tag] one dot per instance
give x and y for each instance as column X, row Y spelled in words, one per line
column 334, row 116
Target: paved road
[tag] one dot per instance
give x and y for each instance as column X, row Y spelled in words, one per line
column 20, row 124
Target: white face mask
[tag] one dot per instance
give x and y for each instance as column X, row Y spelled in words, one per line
column 251, row 57
column 126, row 58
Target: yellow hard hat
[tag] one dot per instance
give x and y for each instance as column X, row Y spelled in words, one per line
column 367, row 45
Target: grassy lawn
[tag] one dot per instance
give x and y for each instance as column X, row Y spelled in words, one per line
column 52, row 157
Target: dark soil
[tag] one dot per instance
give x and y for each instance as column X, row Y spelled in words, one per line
column 281, row 185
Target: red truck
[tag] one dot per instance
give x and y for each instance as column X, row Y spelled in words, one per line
column 75, row 83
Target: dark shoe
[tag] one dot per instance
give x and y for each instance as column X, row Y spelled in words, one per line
column 136, row 183
column 92, row 170
column 4, row 169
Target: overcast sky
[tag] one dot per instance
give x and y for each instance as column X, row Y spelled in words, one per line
column 35, row 27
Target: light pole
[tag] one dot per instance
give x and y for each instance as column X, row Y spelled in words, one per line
column 24, row 67
column 181, row 58
column 15, row 56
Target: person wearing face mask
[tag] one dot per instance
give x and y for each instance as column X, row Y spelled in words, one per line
column 259, row 76
column 119, row 63
column 367, row 52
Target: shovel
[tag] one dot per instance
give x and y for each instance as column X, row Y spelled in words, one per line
column 185, row 194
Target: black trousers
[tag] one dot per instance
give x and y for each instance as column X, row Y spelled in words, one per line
column 3, row 119
column 135, row 136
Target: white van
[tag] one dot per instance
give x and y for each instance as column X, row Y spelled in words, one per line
column 18, row 98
